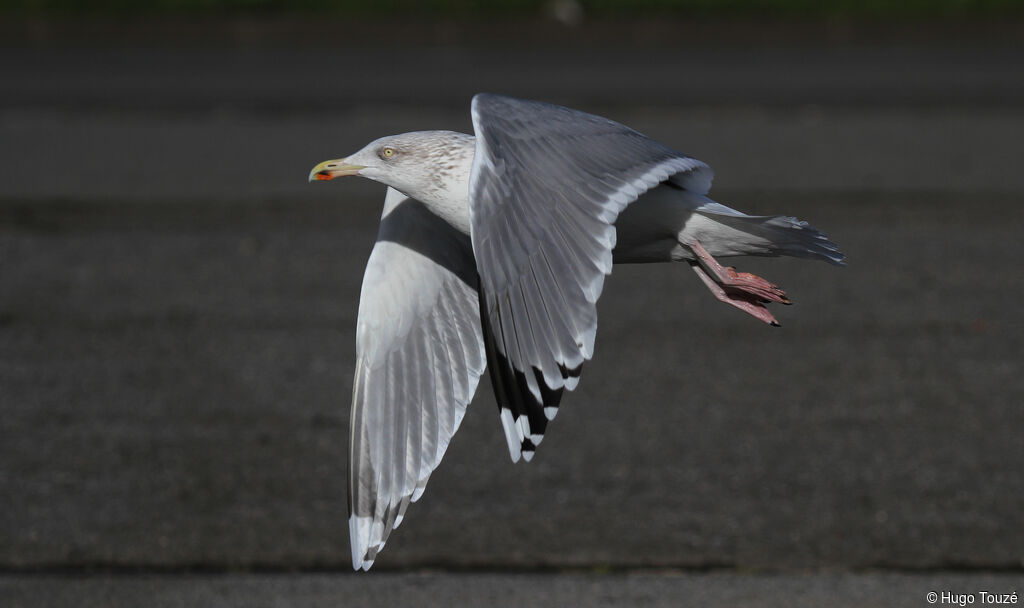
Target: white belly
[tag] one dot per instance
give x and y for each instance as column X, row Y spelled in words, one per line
column 660, row 225
column 648, row 229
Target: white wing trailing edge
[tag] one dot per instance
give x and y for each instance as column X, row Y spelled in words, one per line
column 419, row 357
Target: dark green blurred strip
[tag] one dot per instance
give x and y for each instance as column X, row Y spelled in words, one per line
column 495, row 8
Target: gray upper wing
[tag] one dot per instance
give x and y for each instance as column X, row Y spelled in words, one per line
column 419, row 357
column 546, row 187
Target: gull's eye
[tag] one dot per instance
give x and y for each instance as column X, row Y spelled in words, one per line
column 387, row 152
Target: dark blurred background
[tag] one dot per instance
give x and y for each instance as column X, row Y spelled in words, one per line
column 177, row 307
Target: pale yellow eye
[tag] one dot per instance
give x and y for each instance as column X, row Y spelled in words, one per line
column 387, row 152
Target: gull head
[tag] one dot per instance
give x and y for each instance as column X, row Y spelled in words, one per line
column 422, row 164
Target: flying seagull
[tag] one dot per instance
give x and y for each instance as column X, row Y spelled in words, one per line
column 492, row 251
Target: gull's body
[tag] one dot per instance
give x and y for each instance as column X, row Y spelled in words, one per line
column 492, row 251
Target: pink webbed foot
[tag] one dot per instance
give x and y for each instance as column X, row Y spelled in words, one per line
column 744, row 290
column 746, row 302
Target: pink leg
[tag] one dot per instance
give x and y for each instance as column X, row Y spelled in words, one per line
column 746, row 302
column 727, row 277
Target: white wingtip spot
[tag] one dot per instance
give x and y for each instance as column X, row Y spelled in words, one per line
column 551, row 412
column 523, row 427
column 511, row 434
column 528, row 455
column 356, row 532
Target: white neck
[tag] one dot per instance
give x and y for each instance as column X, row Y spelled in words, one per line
column 446, row 194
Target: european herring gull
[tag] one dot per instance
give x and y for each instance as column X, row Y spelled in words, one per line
column 492, row 251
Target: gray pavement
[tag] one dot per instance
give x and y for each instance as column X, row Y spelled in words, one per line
column 176, row 325
column 176, row 381
column 609, row 71
column 836, row 590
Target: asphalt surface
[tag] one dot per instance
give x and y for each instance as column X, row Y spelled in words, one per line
column 500, row 590
column 176, row 326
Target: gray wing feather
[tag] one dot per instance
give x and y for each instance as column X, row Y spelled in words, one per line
column 546, row 187
column 419, row 357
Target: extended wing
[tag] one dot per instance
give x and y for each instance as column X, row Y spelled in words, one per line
column 419, row 357
column 547, row 185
